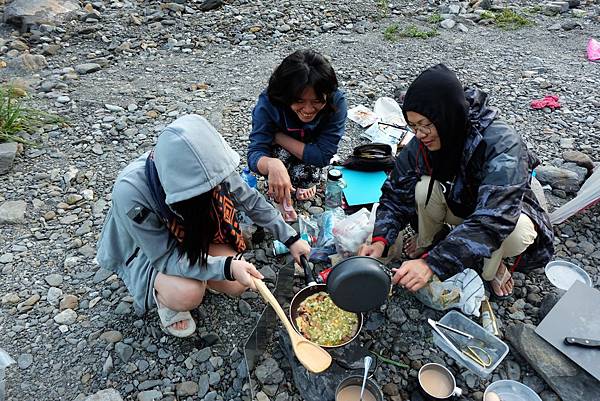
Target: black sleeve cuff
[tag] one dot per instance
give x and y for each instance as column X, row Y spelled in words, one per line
column 290, row 241
column 227, row 269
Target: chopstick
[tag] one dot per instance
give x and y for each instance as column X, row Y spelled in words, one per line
column 452, row 329
column 390, row 125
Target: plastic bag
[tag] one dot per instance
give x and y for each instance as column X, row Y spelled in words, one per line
column 5, row 360
column 588, row 195
column 309, row 226
column 462, row 291
column 389, row 111
column 247, row 227
column 351, row 232
column 325, row 245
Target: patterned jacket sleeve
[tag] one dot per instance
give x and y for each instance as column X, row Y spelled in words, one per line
column 499, row 205
column 397, row 202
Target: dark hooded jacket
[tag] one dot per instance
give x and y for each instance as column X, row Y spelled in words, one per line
column 489, row 187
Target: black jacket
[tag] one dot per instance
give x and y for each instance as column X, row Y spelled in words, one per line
column 490, row 192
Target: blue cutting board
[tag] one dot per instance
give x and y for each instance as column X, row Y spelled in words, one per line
column 362, row 187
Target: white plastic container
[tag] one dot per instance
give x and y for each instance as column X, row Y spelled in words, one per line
column 510, row 390
column 493, row 345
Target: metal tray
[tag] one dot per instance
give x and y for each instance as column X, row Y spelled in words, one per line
column 563, row 274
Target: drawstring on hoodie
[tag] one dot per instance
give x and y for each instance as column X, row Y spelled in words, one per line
column 422, row 151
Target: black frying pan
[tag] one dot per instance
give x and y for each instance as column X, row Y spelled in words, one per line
column 359, row 284
column 312, row 287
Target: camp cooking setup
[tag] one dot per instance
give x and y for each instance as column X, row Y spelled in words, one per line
column 321, row 333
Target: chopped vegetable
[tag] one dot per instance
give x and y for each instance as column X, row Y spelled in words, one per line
column 322, row 322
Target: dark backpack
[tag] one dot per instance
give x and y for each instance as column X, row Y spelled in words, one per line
column 371, row 157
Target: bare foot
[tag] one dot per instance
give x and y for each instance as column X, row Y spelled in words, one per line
column 502, row 283
column 181, row 325
column 306, row 193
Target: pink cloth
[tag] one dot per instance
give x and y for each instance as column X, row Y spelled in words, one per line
column 548, row 101
column 593, row 50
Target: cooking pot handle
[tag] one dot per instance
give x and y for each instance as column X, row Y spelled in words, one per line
column 308, row 273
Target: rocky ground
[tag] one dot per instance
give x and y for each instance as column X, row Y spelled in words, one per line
column 119, row 71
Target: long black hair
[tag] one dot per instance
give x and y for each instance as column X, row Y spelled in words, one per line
column 198, row 221
column 299, row 70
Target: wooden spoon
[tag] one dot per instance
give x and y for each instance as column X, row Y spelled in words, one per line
column 314, row 358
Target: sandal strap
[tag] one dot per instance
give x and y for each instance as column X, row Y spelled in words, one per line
column 169, row 316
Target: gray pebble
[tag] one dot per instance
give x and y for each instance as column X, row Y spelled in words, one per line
column 25, row 360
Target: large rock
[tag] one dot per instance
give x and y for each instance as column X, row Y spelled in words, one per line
column 8, row 152
column 30, row 62
column 208, row 5
column 559, row 178
column 186, row 388
column 269, row 373
column 581, row 172
column 547, row 304
column 568, row 380
column 579, row 158
column 28, row 12
column 68, row 316
column 105, row 395
column 12, row 212
column 87, row 68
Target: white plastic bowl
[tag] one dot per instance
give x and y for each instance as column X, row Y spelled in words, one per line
column 510, row 390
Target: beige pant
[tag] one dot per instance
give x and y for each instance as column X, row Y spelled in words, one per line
column 433, row 216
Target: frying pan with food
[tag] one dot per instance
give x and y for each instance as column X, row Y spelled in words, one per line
column 312, row 287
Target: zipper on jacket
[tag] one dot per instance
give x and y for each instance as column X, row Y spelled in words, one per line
column 130, row 259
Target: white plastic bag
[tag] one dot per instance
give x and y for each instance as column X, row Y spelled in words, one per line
column 462, row 291
column 588, row 195
column 5, row 361
column 351, row 232
column 389, row 111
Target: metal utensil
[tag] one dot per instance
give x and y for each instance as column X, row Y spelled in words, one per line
column 478, row 354
column 368, row 361
column 434, row 325
column 452, row 329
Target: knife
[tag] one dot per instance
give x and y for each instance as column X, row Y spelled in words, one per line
column 583, row 342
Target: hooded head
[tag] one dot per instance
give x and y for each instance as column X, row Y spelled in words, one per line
column 192, row 158
column 438, row 95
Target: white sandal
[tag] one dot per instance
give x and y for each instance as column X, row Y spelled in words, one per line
column 168, row 317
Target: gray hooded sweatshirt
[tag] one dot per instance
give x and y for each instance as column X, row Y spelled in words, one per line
column 191, row 158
